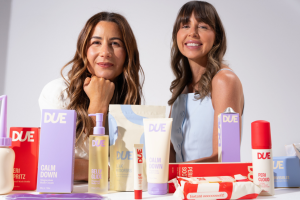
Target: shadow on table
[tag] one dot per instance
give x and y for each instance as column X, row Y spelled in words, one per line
column 280, row 191
column 157, row 196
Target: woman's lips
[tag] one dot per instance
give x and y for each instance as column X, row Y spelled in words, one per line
column 193, row 45
column 105, row 64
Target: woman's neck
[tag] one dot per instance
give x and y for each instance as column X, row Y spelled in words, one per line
column 198, row 68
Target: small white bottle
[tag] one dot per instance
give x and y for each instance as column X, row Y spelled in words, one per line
column 262, row 158
column 7, row 155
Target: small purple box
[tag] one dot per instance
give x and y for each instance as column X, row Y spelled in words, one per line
column 229, row 136
column 56, row 155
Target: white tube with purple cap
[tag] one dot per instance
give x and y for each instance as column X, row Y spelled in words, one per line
column 157, row 142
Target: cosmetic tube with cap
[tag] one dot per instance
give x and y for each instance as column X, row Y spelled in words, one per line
column 98, row 158
column 138, row 171
column 262, row 158
column 157, row 138
column 7, row 155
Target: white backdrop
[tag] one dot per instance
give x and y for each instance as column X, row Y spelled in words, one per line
column 39, row 37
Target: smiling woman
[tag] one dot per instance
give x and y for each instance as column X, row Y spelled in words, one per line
column 106, row 53
column 105, row 70
column 203, row 87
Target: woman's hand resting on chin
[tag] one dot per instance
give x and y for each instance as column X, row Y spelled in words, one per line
column 100, row 93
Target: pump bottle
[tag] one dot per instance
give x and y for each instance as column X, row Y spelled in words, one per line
column 262, row 158
column 7, row 155
column 98, row 158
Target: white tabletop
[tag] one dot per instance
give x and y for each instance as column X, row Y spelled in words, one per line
column 82, row 187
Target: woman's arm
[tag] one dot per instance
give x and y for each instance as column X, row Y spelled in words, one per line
column 100, row 93
column 81, row 170
column 227, row 92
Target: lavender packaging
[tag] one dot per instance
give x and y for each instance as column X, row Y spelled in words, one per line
column 56, row 155
column 229, row 136
column 286, row 171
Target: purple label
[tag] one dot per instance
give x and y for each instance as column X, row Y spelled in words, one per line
column 157, row 127
column 98, row 143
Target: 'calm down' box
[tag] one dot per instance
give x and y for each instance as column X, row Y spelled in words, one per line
column 56, row 155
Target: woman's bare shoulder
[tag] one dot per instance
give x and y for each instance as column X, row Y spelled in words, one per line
column 226, row 78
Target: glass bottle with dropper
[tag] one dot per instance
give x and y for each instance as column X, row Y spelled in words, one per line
column 98, row 158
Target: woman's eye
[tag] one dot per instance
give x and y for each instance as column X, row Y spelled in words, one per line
column 96, row 42
column 115, row 44
column 203, row 27
column 185, row 26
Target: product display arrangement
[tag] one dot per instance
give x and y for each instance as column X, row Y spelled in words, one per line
column 139, row 147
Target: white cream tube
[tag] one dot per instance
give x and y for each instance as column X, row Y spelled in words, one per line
column 157, row 143
column 138, row 171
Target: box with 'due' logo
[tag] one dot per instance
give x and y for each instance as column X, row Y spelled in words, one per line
column 286, row 171
column 56, row 155
column 229, row 136
column 25, row 143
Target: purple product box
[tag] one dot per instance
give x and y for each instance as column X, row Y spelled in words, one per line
column 56, row 155
column 229, row 136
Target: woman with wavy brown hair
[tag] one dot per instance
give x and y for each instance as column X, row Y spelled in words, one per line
column 203, row 87
column 105, row 70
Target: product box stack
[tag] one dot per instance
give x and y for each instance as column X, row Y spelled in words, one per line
column 287, row 168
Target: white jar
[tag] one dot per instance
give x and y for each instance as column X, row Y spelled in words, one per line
column 7, row 160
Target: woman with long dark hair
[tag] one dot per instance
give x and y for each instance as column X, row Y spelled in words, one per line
column 105, row 70
column 203, row 87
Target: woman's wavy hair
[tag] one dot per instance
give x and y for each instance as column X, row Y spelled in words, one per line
column 203, row 12
column 128, row 88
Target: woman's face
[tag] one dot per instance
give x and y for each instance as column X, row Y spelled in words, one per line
column 106, row 51
column 195, row 39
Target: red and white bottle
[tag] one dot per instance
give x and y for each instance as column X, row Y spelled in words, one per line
column 262, row 158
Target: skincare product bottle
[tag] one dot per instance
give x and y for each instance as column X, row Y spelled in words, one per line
column 262, row 158
column 138, row 170
column 7, row 155
column 98, row 158
column 157, row 138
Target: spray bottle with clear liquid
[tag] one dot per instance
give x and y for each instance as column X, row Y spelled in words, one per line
column 98, row 158
column 7, row 155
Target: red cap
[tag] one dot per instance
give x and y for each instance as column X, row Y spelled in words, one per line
column 261, row 135
column 138, row 194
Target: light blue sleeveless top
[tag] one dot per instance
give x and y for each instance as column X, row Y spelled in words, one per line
column 192, row 127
